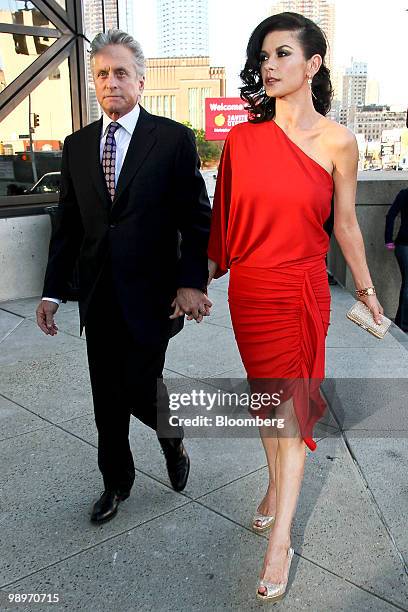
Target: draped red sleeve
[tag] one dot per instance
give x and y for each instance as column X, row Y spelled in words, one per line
column 217, row 245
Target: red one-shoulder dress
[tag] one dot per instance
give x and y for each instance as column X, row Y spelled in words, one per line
column 271, row 201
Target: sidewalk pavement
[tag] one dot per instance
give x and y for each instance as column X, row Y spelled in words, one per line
column 195, row 550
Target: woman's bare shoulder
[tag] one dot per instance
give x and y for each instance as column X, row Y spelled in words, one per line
column 337, row 136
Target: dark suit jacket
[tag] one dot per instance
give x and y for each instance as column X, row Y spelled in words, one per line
column 154, row 235
column 399, row 206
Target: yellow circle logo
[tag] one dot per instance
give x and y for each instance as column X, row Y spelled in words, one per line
column 219, row 120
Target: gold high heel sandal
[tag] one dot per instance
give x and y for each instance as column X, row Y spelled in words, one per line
column 265, row 522
column 275, row 591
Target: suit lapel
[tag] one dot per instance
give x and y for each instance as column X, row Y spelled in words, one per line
column 142, row 141
column 97, row 174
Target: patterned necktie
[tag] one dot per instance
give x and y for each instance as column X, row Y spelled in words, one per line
column 109, row 158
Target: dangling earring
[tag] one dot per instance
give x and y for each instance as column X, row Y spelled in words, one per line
column 309, row 80
column 263, row 93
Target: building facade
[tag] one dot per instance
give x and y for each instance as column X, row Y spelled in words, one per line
column 354, row 85
column 126, row 16
column 372, row 92
column 182, row 28
column 374, row 119
column 177, row 87
column 99, row 18
column 354, row 88
column 321, row 12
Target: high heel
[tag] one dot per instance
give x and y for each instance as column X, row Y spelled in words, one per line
column 265, row 522
column 275, row 591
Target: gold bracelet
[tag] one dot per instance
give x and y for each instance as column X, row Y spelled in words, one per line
column 366, row 291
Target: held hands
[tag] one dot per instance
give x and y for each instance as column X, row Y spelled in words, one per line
column 390, row 246
column 45, row 317
column 192, row 302
column 374, row 305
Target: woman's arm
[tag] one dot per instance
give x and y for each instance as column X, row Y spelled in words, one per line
column 212, row 268
column 218, row 259
column 346, row 228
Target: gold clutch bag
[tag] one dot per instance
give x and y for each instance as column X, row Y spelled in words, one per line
column 362, row 315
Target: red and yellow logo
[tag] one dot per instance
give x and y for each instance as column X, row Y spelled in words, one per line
column 219, row 120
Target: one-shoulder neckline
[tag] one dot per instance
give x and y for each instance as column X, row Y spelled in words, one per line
column 302, row 151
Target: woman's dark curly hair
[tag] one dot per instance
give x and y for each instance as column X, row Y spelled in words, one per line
column 312, row 39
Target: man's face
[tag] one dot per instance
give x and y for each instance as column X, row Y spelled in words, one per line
column 117, row 85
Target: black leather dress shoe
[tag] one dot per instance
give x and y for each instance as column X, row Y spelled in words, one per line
column 107, row 505
column 177, row 461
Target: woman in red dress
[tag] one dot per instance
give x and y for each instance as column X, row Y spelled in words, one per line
column 277, row 175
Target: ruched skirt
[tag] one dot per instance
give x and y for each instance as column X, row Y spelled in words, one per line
column 280, row 318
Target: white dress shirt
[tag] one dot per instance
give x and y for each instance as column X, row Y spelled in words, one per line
column 123, row 135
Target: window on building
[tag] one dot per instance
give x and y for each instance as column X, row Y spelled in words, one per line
column 159, row 105
column 166, row 107
column 196, row 105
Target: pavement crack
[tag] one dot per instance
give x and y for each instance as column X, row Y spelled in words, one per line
column 370, row 492
column 8, row 334
column 91, row 547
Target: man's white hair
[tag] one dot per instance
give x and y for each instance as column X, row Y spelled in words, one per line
column 119, row 37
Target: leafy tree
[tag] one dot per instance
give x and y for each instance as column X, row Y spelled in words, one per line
column 208, row 150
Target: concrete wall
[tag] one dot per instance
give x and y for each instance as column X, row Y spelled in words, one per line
column 373, row 200
column 23, row 255
column 24, row 247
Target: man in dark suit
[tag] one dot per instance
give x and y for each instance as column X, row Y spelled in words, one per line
column 134, row 212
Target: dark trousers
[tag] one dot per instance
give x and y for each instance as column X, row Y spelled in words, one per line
column 401, row 318
column 126, row 378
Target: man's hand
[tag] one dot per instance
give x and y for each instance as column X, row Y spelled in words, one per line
column 45, row 317
column 192, row 302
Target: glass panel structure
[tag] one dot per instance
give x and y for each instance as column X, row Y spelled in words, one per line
column 32, row 165
column 18, row 52
column 46, row 89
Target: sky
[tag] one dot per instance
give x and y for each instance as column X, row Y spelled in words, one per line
column 372, row 31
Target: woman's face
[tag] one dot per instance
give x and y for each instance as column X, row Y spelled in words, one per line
column 283, row 65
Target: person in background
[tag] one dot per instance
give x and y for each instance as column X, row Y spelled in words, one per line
column 400, row 247
column 328, row 228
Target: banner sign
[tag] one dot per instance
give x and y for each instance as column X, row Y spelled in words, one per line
column 221, row 114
